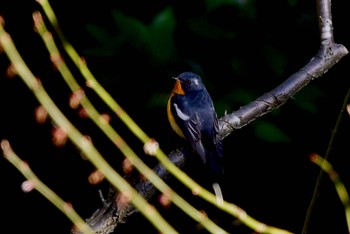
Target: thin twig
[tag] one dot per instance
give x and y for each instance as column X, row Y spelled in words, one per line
column 115, row 137
column 86, row 147
column 34, row 182
column 338, row 184
column 327, row 44
column 165, row 161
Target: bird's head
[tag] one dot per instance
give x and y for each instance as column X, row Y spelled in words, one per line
column 187, row 82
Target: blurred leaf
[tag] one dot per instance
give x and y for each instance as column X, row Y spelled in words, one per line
column 162, row 30
column 247, row 7
column 233, row 100
column 204, row 28
column 269, row 132
column 307, row 98
column 276, row 59
column 158, row 100
column 132, row 29
column 109, row 44
column 238, row 65
column 156, row 38
column 241, row 96
column 292, row 3
column 100, row 34
column 212, row 4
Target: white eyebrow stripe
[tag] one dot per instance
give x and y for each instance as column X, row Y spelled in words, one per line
column 196, row 81
column 180, row 113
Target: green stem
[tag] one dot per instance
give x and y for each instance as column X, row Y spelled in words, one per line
column 78, row 139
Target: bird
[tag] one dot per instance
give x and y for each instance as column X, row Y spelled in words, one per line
column 192, row 116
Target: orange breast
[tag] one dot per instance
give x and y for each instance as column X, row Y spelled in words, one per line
column 171, row 118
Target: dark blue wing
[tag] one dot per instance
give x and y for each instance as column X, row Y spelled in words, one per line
column 200, row 126
column 188, row 121
column 217, row 140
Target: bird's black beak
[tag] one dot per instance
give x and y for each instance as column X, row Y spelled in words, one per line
column 177, row 78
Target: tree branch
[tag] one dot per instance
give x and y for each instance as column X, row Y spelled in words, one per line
column 326, row 57
column 105, row 219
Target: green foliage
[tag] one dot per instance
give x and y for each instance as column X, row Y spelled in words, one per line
column 108, row 43
column 242, row 96
column 155, row 39
column 276, row 60
column 155, row 43
column 246, row 6
column 158, row 100
column 292, row 3
column 233, row 100
column 307, row 99
column 269, row 132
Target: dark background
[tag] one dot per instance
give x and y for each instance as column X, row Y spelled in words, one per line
column 241, row 49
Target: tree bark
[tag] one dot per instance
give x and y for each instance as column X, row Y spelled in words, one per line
column 105, row 219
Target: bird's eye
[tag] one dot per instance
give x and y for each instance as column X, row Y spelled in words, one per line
column 188, row 82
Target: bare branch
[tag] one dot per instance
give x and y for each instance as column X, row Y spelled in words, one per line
column 327, row 56
column 105, row 219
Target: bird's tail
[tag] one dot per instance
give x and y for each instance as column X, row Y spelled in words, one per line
column 215, row 164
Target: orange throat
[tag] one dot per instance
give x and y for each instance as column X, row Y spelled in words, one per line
column 178, row 89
